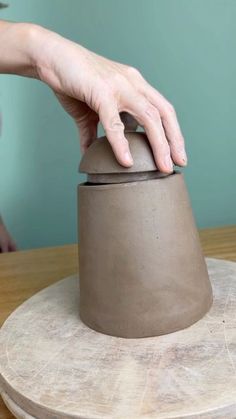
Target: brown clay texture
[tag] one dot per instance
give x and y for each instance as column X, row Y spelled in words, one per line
column 99, row 158
column 142, row 272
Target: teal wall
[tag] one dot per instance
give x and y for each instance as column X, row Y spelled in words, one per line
column 185, row 48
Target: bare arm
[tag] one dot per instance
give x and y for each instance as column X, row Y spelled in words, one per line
column 16, row 41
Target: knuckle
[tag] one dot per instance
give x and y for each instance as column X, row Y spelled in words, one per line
column 152, row 113
column 114, row 124
column 117, row 79
column 133, row 72
column 111, row 82
column 104, row 91
column 169, row 109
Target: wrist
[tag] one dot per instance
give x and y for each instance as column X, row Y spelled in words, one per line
column 51, row 56
column 16, row 49
column 44, row 45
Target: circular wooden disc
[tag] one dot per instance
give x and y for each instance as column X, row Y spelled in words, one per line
column 53, row 366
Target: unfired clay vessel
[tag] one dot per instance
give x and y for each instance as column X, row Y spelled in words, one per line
column 141, row 268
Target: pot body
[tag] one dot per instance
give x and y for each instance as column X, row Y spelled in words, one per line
column 142, row 272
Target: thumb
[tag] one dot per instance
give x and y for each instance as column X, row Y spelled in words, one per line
column 87, row 133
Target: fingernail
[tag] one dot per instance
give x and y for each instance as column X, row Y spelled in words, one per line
column 168, row 163
column 128, row 158
column 183, row 157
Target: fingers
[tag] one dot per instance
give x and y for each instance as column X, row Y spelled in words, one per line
column 3, row 246
column 114, row 130
column 158, row 117
column 87, row 133
column 7, row 244
column 167, row 113
column 86, row 120
column 148, row 116
column 170, row 123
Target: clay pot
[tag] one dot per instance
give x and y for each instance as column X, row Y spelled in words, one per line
column 141, row 268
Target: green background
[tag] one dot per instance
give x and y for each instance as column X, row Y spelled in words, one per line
column 185, row 48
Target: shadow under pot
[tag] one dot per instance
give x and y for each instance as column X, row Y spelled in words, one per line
column 141, row 268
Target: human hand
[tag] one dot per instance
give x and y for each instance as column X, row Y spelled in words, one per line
column 92, row 88
column 7, row 244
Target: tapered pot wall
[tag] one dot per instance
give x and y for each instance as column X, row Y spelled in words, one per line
column 141, row 267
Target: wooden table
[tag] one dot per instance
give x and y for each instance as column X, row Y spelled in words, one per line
column 24, row 273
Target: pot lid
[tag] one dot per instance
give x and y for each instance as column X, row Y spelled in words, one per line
column 100, row 159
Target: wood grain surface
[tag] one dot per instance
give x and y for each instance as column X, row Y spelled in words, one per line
column 71, row 371
column 24, row 273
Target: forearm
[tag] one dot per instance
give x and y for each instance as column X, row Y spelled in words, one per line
column 17, row 48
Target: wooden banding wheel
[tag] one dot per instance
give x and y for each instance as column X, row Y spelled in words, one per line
column 53, row 366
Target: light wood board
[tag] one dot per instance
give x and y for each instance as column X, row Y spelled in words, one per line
column 53, row 366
